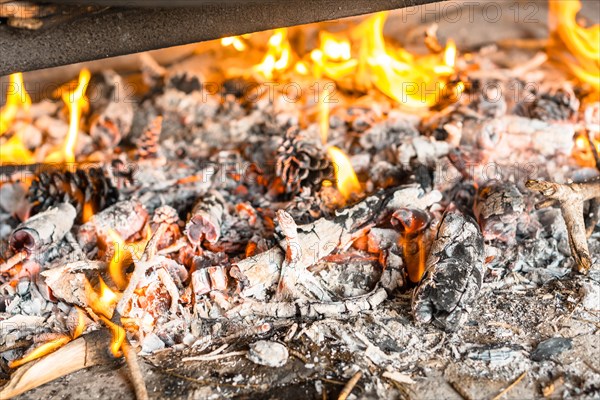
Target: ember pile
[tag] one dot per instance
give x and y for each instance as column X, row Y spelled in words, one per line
column 280, row 178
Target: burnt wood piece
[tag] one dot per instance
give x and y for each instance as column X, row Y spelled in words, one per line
column 44, row 229
column 121, row 30
column 453, row 274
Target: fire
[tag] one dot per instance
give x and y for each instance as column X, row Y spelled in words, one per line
column 583, row 44
column 347, row 181
column 76, row 103
column 234, row 41
column 17, row 99
column 80, row 323
column 118, row 336
column 118, row 260
column 41, row 351
column 14, row 151
column 103, row 304
column 278, row 56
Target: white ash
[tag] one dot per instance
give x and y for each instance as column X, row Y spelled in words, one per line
column 271, row 354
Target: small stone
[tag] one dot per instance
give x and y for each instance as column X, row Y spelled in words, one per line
column 590, row 296
column 271, row 354
column 22, row 286
column 152, row 343
column 551, row 347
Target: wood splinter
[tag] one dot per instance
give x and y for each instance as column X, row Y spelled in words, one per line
column 570, row 197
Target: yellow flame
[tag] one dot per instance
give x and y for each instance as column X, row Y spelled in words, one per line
column 17, row 99
column 80, row 323
column 334, row 49
column 75, row 103
column 450, row 53
column 278, row 56
column 13, row 151
column 118, row 336
column 41, row 351
column 234, row 41
column 347, row 181
column 582, row 44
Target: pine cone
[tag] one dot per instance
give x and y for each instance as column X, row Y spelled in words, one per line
column 554, row 106
column 84, row 186
column 302, row 162
column 148, row 144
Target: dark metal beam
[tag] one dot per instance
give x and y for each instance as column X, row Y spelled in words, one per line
column 119, row 31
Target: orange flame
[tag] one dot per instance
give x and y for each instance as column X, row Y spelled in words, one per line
column 13, row 151
column 347, row 181
column 103, row 304
column 80, row 323
column 582, row 44
column 41, row 351
column 118, row 260
column 17, row 99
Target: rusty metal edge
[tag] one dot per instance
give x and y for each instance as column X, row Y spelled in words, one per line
column 119, row 31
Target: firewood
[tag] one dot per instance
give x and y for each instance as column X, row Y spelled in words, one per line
column 164, row 216
column 498, row 206
column 453, row 273
column 570, row 197
column 83, row 352
column 125, row 217
column 206, row 218
column 44, row 229
column 322, row 237
column 311, row 310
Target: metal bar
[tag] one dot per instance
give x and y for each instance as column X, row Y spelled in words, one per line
column 119, row 31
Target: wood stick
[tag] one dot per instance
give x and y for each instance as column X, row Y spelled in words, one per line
column 349, row 386
column 570, row 197
column 512, row 385
column 83, row 352
column 137, row 379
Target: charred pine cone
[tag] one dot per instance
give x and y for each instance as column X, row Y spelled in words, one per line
column 453, row 273
column 559, row 105
column 82, row 188
column 148, row 144
column 302, row 162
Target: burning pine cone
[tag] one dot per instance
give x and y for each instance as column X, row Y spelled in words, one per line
column 302, row 162
column 83, row 188
column 559, row 105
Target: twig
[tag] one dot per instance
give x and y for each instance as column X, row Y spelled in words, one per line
column 571, row 197
column 137, row 379
column 512, row 385
column 209, row 357
column 349, row 386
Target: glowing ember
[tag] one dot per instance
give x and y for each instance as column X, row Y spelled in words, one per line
column 347, row 181
column 583, row 44
column 76, row 102
column 17, row 99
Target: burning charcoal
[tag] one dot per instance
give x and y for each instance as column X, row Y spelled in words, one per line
column 206, row 218
column 559, row 105
column 271, row 354
column 302, row 162
column 498, row 207
column 386, row 134
column 89, row 190
column 149, row 143
column 453, row 273
column 413, row 223
column 113, row 114
column 125, row 217
column 200, row 283
column 44, row 229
